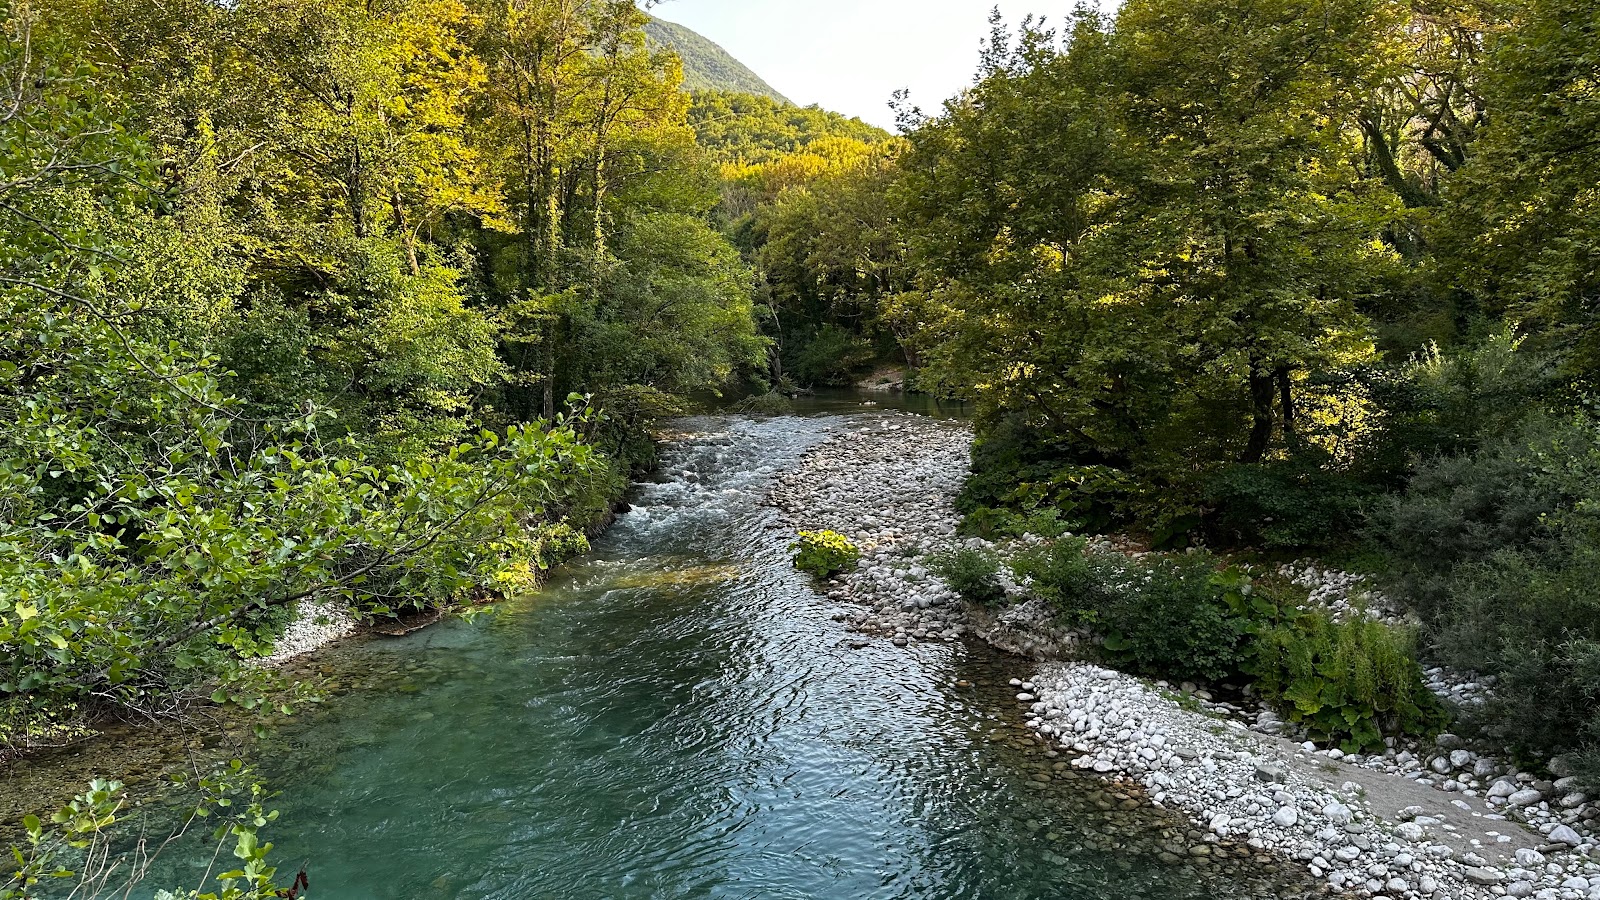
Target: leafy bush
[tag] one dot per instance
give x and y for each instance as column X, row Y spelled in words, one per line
column 829, row 356
column 1189, row 617
column 1533, row 621
column 1166, row 617
column 229, row 798
column 824, row 553
column 974, row 574
column 1067, row 577
column 1460, row 509
column 1350, row 682
column 1169, row 618
column 1496, row 549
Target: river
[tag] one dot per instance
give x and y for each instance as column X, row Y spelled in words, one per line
column 679, row 715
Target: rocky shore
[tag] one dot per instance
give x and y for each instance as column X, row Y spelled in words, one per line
column 1443, row 821
column 315, row 625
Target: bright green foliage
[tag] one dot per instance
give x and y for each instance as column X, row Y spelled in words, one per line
column 82, row 833
column 155, row 529
column 676, row 316
column 746, row 128
column 1350, row 682
column 824, row 553
column 610, row 280
column 974, row 574
column 829, row 252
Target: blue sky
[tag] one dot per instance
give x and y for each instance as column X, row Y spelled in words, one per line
column 851, row 55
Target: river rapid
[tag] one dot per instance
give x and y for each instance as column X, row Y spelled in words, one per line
column 680, row 715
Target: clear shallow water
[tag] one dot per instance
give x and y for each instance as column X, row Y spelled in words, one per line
column 679, row 716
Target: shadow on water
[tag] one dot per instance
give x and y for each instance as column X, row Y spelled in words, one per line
column 679, row 716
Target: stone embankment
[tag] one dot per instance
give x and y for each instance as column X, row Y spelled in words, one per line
column 1443, row 821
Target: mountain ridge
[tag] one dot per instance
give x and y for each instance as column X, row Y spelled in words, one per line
column 706, row 65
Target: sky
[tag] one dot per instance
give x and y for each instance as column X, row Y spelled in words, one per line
column 852, row 55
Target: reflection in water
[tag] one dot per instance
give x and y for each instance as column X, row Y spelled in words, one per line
column 679, row 716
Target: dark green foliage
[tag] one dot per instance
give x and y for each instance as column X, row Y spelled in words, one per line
column 1459, row 510
column 1350, row 682
column 1189, row 617
column 974, row 574
column 1288, row 505
column 824, row 553
column 706, row 66
column 828, row 356
column 1521, row 229
column 1499, row 551
column 1067, row 577
column 1164, row 616
column 1021, row 473
column 1168, row 618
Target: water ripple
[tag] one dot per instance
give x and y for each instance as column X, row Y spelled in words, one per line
column 677, row 718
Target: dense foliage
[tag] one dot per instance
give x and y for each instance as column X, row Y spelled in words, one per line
column 972, row 573
column 1190, row 616
column 326, row 301
column 1349, row 682
column 1293, row 275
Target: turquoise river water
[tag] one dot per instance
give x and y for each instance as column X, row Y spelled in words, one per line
column 679, row 716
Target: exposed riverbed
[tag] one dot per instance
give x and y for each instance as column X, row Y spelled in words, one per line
column 681, row 715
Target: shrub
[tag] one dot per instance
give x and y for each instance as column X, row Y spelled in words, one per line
column 1461, row 509
column 1166, row 617
column 1533, row 621
column 824, row 553
column 1350, row 682
column 1170, row 618
column 830, row 355
column 1067, row 577
column 974, row 574
column 1498, row 550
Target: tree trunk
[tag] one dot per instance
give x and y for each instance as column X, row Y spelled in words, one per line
column 1262, row 394
column 552, row 334
column 1286, row 404
column 355, row 188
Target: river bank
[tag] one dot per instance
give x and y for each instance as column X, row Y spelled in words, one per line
column 678, row 713
column 1398, row 825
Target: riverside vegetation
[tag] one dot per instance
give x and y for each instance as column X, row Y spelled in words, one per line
column 1409, row 816
column 315, row 304
column 1292, row 278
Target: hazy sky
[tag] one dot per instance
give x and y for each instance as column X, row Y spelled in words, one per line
column 852, row 55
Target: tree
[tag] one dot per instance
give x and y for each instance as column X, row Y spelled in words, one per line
column 1521, row 229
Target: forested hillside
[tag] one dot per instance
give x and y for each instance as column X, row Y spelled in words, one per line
column 706, row 66
column 1305, row 275
column 781, row 167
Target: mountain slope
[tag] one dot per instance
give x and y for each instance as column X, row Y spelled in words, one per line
column 706, row 66
column 752, row 129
